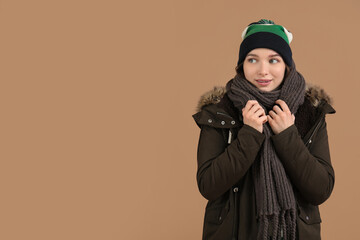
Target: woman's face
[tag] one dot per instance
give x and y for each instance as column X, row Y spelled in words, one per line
column 264, row 68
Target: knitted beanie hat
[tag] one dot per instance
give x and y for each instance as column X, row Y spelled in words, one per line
column 266, row 34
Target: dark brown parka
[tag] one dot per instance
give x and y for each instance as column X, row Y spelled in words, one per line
column 227, row 149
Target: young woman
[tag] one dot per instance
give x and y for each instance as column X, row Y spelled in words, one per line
column 263, row 155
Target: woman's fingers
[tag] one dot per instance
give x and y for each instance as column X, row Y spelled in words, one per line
column 256, row 109
column 283, row 105
column 259, row 112
column 254, row 115
column 249, row 105
column 263, row 119
column 272, row 114
column 280, row 119
column 277, row 110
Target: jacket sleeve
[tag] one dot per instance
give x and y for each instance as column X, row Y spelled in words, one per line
column 309, row 170
column 220, row 165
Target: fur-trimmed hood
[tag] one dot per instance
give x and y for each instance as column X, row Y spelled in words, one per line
column 314, row 93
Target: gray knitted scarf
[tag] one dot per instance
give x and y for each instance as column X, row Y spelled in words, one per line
column 275, row 200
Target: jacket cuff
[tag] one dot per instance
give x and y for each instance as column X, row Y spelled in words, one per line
column 250, row 131
column 284, row 134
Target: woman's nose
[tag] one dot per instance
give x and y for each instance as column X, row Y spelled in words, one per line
column 263, row 69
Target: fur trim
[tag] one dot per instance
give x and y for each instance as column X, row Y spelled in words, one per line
column 314, row 93
column 211, row 97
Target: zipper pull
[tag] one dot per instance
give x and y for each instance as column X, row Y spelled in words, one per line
column 230, row 135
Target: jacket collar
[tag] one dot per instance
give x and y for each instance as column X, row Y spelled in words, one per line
column 316, row 95
column 216, row 109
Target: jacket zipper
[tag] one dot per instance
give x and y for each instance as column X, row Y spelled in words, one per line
column 236, row 217
column 313, row 133
column 235, row 190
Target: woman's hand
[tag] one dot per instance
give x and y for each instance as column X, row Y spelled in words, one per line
column 254, row 115
column 279, row 119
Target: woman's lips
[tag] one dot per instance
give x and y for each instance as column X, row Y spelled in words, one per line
column 263, row 82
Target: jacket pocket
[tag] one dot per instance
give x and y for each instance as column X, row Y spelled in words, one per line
column 309, row 214
column 216, row 222
column 309, row 222
column 216, row 215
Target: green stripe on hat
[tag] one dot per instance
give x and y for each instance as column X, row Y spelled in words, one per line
column 271, row 28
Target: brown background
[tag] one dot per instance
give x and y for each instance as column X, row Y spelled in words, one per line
column 97, row 138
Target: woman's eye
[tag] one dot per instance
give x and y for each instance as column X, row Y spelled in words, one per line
column 251, row 60
column 274, row 60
